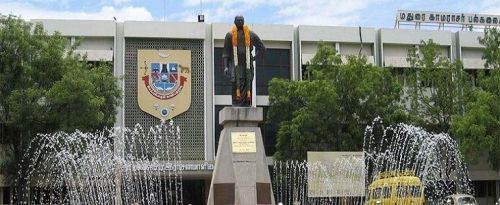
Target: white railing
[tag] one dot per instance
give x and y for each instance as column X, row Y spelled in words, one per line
column 307, row 57
column 96, row 55
column 473, row 63
column 369, row 59
column 396, row 61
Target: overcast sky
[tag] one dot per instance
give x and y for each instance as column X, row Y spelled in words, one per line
column 366, row 13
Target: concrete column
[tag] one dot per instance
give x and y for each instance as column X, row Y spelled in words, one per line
column 119, row 71
column 295, row 64
column 209, row 93
column 119, row 147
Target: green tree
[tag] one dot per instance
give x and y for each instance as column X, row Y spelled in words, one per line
column 45, row 88
column 437, row 87
column 491, row 42
column 478, row 129
column 331, row 110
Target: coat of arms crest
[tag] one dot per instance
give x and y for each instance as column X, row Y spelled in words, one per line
column 164, row 82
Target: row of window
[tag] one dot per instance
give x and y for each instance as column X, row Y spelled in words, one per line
column 402, row 192
column 401, row 75
column 275, row 63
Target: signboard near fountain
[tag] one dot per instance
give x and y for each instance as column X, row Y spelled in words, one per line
column 336, row 174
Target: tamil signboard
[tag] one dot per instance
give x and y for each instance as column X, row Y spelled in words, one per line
column 447, row 18
column 164, row 82
column 335, row 174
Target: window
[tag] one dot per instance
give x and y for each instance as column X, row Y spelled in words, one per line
column 274, row 63
column 467, row 200
column 306, row 73
column 387, row 192
column 400, row 75
column 473, row 75
column 6, row 195
column 410, row 191
column 3, row 139
column 222, row 83
column 484, row 188
column 269, row 132
column 402, row 191
column 217, row 126
column 377, row 193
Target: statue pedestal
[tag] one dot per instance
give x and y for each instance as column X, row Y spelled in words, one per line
column 241, row 175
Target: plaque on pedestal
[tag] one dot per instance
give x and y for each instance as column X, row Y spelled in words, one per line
column 243, row 142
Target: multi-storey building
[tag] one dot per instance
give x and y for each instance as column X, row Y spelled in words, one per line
column 289, row 49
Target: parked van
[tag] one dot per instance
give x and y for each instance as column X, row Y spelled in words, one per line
column 401, row 188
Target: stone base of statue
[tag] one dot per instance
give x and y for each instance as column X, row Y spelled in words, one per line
column 241, row 175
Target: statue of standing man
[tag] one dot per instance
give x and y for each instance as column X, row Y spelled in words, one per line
column 238, row 60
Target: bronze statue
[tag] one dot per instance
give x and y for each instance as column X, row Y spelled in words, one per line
column 238, row 60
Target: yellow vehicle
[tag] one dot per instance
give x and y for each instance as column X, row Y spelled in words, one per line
column 396, row 188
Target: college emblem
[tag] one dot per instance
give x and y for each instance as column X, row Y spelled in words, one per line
column 164, row 82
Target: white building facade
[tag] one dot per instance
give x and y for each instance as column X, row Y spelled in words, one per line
column 289, row 49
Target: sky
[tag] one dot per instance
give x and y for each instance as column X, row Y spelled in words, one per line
column 365, row 13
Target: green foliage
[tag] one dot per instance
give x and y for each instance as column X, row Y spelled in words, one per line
column 478, row 129
column 491, row 41
column 45, row 88
column 331, row 109
column 437, row 87
column 303, row 108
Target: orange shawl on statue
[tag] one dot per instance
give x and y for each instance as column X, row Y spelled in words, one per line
column 234, row 39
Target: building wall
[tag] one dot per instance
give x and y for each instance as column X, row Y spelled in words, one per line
column 83, row 28
column 470, row 50
column 354, row 49
column 386, row 46
column 336, row 34
column 474, row 53
column 95, row 48
column 345, row 40
column 191, row 123
column 95, row 38
column 414, row 37
column 176, row 36
column 96, row 43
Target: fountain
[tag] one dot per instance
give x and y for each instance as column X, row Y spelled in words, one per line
column 433, row 158
column 294, row 185
column 401, row 152
column 117, row 166
column 138, row 166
